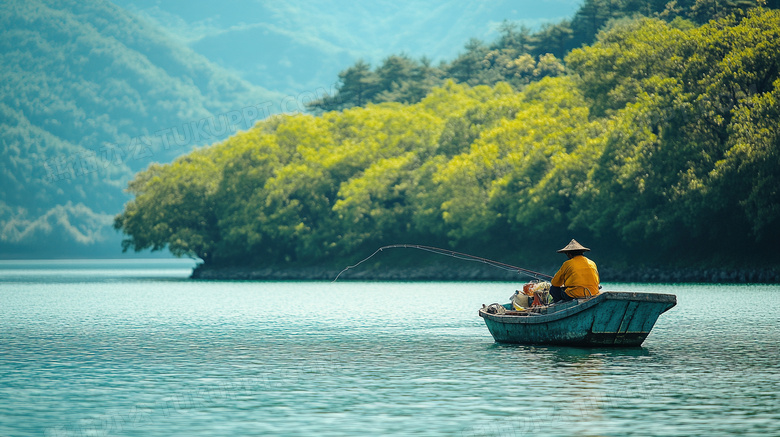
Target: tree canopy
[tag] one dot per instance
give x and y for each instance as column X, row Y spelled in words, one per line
column 519, row 55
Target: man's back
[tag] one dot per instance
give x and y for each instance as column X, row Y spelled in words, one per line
column 580, row 276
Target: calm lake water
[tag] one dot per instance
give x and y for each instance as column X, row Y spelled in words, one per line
column 133, row 348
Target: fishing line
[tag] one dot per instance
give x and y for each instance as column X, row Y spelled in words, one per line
column 453, row 254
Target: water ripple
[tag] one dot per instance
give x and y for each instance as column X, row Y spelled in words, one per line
column 166, row 358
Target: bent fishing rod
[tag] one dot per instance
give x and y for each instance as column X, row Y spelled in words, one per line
column 452, row 253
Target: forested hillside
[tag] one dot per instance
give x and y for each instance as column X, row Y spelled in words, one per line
column 660, row 143
column 89, row 94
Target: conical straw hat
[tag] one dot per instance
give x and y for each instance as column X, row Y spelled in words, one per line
column 574, row 246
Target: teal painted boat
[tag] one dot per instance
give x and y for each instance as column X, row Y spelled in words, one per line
column 609, row 319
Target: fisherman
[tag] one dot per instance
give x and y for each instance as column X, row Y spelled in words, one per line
column 577, row 278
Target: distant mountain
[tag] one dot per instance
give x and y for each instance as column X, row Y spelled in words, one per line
column 299, row 46
column 90, row 94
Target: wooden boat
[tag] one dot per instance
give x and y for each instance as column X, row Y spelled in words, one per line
column 609, row 319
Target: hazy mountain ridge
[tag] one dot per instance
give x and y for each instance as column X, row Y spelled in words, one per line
column 86, row 90
column 301, row 45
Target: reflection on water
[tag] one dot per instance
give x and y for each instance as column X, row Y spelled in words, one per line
column 108, row 353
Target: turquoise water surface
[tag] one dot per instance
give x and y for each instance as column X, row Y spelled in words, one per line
column 134, row 348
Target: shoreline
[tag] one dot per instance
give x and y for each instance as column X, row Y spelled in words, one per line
column 480, row 273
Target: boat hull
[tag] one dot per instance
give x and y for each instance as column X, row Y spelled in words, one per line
column 609, row 319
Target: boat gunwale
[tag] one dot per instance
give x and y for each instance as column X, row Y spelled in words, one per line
column 580, row 307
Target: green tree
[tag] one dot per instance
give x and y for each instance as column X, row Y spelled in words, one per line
column 746, row 177
column 252, row 158
column 466, row 66
column 376, row 206
column 551, row 160
column 629, row 57
column 549, row 66
column 555, row 38
column 591, row 17
column 174, row 207
column 358, row 86
column 404, row 80
column 672, row 133
column 515, row 39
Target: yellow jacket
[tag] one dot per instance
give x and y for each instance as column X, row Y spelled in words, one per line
column 580, row 277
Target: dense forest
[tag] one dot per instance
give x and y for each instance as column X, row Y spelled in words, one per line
column 84, row 89
column 520, row 55
column 657, row 143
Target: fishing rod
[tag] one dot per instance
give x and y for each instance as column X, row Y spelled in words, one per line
column 452, row 253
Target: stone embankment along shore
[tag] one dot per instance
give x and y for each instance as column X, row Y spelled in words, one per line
column 480, row 273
